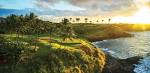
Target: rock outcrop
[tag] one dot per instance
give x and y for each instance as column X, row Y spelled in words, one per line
column 115, row 65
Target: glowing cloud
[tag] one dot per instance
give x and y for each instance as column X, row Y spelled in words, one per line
column 141, row 16
column 90, row 7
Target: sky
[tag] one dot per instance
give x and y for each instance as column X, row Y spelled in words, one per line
column 16, row 4
column 117, row 9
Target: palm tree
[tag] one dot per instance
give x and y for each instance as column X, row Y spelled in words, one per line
column 109, row 20
column 37, row 28
column 86, row 19
column 70, row 19
column 78, row 19
column 90, row 21
column 21, row 21
column 66, row 31
column 102, row 21
column 13, row 24
column 61, row 29
column 34, row 24
column 32, row 16
column 97, row 21
column 11, row 21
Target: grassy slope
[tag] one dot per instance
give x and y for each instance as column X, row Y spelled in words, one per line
column 70, row 56
column 97, row 32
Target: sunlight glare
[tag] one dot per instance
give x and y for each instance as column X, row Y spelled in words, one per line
column 141, row 16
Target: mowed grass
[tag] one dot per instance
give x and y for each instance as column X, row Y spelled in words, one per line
column 45, row 43
column 98, row 32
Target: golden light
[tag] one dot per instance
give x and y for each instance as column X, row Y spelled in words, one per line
column 141, row 27
column 142, row 16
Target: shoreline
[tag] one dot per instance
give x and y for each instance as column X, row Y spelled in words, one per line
column 118, row 65
column 108, row 38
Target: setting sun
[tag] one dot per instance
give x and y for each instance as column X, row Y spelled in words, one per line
column 141, row 16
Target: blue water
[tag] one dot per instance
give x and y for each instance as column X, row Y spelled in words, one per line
column 128, row 47
column 139, row 45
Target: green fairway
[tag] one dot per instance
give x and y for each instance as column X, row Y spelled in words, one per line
column 98, row 32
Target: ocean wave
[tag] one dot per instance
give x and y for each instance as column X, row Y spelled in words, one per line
column 144, row 65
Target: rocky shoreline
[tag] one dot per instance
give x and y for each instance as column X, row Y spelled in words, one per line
column 116, row 65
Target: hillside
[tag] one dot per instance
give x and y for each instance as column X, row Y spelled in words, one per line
column 96, row 32
column 70, row 56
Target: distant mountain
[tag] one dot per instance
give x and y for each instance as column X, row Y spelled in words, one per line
column 6, row 12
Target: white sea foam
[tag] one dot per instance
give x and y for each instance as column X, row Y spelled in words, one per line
column 143, row 66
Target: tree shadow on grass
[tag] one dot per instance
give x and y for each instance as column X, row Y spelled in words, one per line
column 70, row 44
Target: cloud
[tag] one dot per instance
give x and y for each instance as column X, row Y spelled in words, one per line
column 92, row 7
column 104, row 5
column 147, row 3
column 142, row 3
column 45, row 3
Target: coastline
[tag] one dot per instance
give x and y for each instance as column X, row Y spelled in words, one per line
column 117, row 65
column 95, row 39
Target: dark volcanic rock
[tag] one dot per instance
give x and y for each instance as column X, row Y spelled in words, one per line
column 115, row 65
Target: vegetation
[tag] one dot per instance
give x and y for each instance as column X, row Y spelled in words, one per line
column 28, row 24
column 30, row 45
column 95, row 32
column 11, row 54
column 73, row 56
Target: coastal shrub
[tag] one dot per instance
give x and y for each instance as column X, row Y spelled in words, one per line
column 10, row 55
column 66, row 61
